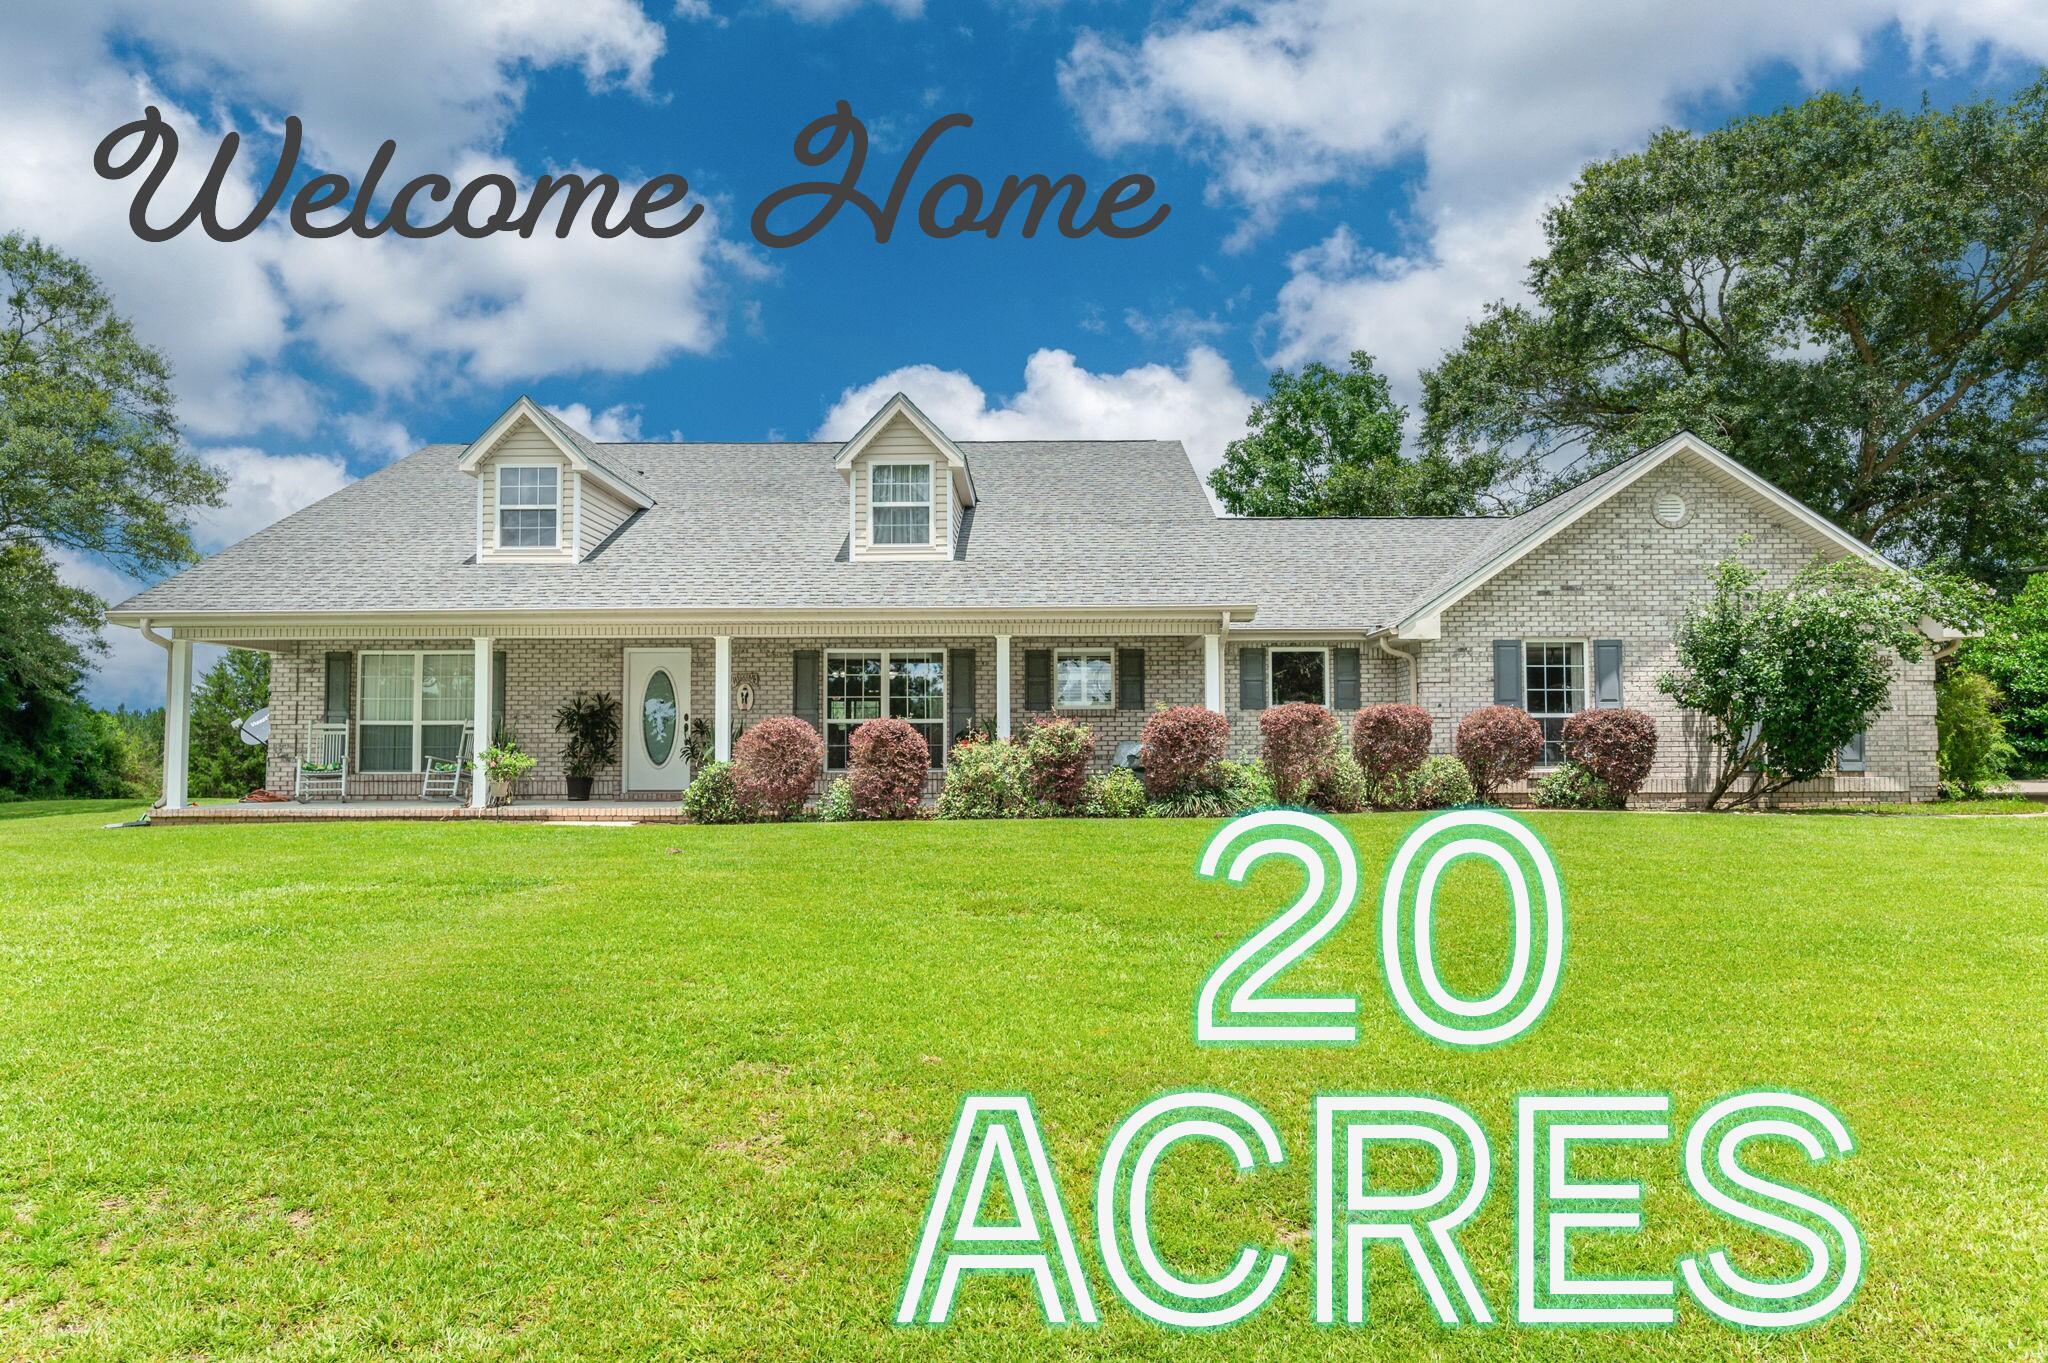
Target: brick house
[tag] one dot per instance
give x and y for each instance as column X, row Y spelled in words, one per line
column 474, row 588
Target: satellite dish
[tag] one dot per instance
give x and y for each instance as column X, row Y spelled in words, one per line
column 255, row 730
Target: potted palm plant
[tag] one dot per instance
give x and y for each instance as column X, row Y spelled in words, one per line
column 591, row 721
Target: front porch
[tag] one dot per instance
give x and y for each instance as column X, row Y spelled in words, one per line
column 329, row 811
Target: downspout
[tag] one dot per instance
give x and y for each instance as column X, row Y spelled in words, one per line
column 1414, row 682
column 164, row 643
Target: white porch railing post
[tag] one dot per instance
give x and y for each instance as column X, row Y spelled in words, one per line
column 178, row 724
column 1212, row 672
column 721, row 700
column 481, row 736
column 1002, row 686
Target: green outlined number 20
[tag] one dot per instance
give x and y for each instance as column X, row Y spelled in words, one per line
column 1231, row 1006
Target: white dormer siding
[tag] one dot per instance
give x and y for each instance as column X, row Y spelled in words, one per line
column 900, row 443
column 600, row 512
column 529, row 446
column 523, row 445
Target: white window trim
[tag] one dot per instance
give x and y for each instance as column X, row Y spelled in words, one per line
column 825, row 719
column 498, row 530
column 1586, row 684
column 419, row 658
column 930, row 521
column 1106, row 653
column 1273, row 698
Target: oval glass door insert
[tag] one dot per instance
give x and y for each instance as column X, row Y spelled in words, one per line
column 658, row 717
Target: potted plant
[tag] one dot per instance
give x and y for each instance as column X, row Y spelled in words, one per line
column 504, row 763
column 591, row 720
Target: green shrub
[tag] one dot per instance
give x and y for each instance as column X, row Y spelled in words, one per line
column 1573, row 786
column 2014, row 654
column 1342, row 788
column 987, row 780
column 1115, row 794
column 1235, row 788
column 836, row 805
column 1973, row 752
column 1057, row 754
column 712, row 797
column 1439, row 783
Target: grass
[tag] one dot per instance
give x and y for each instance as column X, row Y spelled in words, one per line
column 1993, row 804
column 504, row 1091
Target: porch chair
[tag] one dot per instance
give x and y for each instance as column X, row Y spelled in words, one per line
column 323, row 763
column 441, row 778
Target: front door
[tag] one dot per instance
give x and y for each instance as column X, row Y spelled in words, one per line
column 656, row 720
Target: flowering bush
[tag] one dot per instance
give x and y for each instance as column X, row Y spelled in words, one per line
column 1115, row 794
column 1439, row 783
column 1616, row 747
column 985, row 780
column 1389, row 742
column 1499, row 745
column 1180, row 749
column 1343, row 788
column 711, row 797
column 1573, row 786
column 887, row 760
column 1298, row 742
column 836, row 805
column 776, row 764
column 1057, row 754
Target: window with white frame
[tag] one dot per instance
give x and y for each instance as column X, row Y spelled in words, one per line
column 1553, row 688
column 1081, row 679
column 899, row 504
column 860, row 686
column 1298, row 674
column 412, row 706
column 529, row 506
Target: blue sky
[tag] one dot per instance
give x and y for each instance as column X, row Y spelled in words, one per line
column 1341, row 173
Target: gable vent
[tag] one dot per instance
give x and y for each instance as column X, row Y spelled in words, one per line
column 1670, row 510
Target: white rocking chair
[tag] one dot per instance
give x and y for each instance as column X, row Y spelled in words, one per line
column 323, row 764
column 441, row 778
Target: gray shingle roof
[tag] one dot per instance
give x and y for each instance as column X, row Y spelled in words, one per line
column 1061, row 524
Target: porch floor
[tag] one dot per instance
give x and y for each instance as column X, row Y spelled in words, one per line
column 522, row 811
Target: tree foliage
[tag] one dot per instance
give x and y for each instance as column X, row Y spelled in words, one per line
column 1787, row 675
column 2013, row 653
column 1325, row 443
column 1850, row 300
column 1972, row 748
column 233, row 689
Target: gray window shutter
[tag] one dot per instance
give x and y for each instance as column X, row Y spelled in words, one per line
column 1130, row 679
column 1851, row 757
column 335, row 710
column 1344, row 678
column 497, row 700
column 1251, row 679
column 804, row 689
column 1607, row 674
column 1038, row 679
column 1507, row 672
column 959, row 690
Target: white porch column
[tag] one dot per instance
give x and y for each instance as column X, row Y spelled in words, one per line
column 178, row 724
column 480, row 726
column 721, row 696
column 1002, row 686
column 1212, row 672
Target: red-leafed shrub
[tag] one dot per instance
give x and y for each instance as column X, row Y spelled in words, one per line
column 886, row 764
column 776, row 765
column 1180, row 749
column 1057, row 753
column 1299, row 742
column 1389, row 742
column 1618, row 746
column 1499, row 745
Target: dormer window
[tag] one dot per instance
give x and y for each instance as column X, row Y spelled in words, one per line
column 899, row 504
column 529, row 506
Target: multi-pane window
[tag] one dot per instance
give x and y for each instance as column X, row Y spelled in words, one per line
column 413, row 706
column 900, row 503
column 1081, row 679
column 1553, row 689
column 864, row 686
column 1300, row 674
column 529, row 507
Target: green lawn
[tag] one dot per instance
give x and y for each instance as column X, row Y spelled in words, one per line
column 502, row 1091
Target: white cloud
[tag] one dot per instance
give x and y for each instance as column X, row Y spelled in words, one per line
column 825, row 11
column 379, row 437
column 131, row 670
column 618, row 423
column 263, row 489
column 1198, row 404
column 1499, row 101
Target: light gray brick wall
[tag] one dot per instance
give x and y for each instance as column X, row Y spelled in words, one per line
column 1173, row 676
column 1619, row 574
column 1380, row 679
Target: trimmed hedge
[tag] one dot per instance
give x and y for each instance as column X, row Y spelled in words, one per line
column 1298, row 742
column 886, row 763
column 1058, row 753
column 1390, row 741
column 1499, row 745
column 1616, row 747
column 1439, row 783
column 776, row 765
column 1181, row 748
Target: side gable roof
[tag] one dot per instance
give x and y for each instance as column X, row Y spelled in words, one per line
column 900, row 404
column 1523, row 534
column 579, row 449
